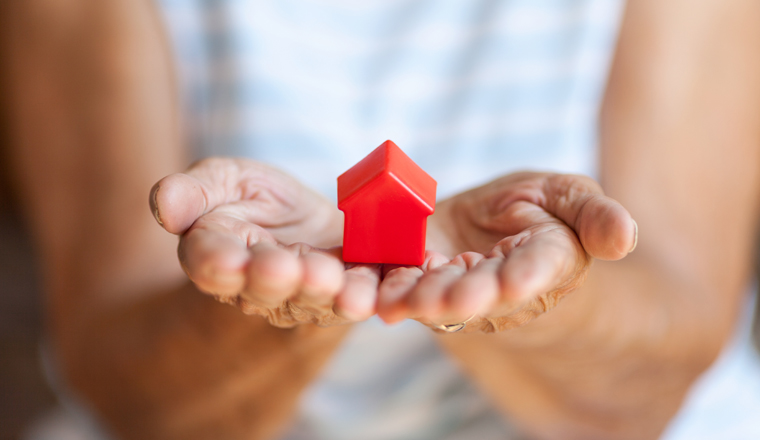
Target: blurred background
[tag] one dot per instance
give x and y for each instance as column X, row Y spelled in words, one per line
column 24, row 393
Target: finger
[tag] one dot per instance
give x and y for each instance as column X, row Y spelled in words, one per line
column 604, row 227
column 176, row 201
column 179, row 199
column 357, row 300
column 274, row 275
column 434, row 260
column 322, row 281
column 427, row 299
column 397, row 283
column 215, row 257
column 540, row 263
column 475, row 293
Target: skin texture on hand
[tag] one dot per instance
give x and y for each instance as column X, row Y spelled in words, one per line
column 156, row 359
column 522, row 242
column 680, row 131
column 243, row 230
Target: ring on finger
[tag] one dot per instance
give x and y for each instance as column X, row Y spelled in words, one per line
column 453, row 328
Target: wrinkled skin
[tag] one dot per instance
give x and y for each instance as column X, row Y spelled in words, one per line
column 521, row 243
column 242, row 229
column 503, row 253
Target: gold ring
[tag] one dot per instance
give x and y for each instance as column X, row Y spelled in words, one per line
column 453, row 328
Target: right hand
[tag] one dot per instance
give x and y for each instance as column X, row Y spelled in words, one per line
column 244, row 229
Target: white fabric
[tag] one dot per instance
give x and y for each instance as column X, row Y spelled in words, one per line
column 394, row 383
column 470, row 89
column 725, row 402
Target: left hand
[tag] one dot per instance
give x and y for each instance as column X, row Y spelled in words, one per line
column 521, row 243
column 250, row 236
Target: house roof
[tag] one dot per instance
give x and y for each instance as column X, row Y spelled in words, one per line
column 388, row 159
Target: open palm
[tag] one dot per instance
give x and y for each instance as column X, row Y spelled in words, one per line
column 520, row 243
column 254, row 237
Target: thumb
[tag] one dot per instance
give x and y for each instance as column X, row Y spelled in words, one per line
column 179, row 199
column 605, row 228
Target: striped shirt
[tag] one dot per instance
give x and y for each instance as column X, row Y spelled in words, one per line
column 470, row 89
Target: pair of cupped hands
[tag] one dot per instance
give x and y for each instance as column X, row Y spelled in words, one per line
column 498, row 255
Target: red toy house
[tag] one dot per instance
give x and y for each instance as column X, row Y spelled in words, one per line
column 386, row 199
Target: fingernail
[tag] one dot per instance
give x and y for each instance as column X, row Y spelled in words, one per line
column 635, row 235
column 154, row 204
column 393, row 315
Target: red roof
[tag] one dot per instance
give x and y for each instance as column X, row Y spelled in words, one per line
column 388, row 159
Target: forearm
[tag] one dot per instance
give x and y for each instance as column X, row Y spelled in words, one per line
column 613, row 360
column 181, row 365
column 93, row 116
column 680, row 137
